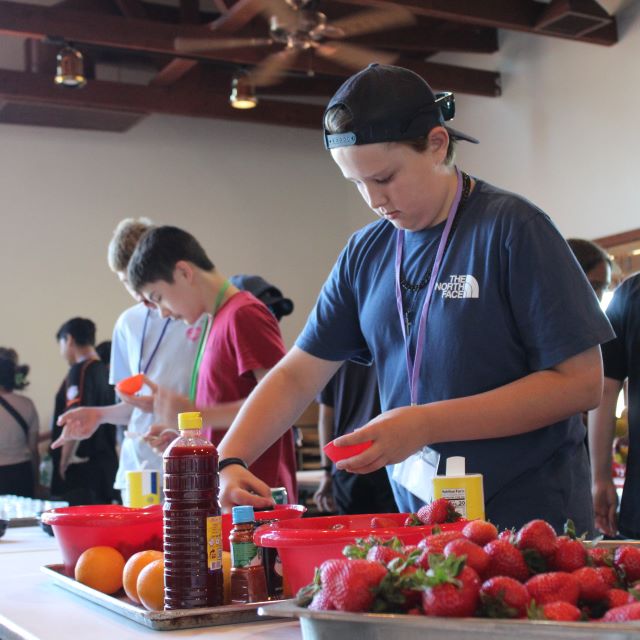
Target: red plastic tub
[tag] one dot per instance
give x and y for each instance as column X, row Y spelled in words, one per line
column 279, row 512
column 305, row 544
column 128, row 530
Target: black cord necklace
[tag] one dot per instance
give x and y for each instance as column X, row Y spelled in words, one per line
column 415, row 288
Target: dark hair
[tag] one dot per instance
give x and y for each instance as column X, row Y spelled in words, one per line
column 12, row 375
column 588, row 254
column 104, row 351
column 82, row 330
column 157, row 253
column 338, row 119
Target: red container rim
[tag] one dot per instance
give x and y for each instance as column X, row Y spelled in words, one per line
column 310, row 532
column 103, row 514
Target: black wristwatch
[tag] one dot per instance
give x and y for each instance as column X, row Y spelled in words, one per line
column 227, row 462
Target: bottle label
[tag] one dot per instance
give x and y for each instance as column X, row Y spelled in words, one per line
column 458, row 497
column 214, row 543
column 245, row 554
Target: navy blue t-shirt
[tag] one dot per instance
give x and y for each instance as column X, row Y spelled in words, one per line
column 510, row 300
column 621, row 359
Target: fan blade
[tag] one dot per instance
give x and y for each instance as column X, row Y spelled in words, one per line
column 354, row 56
column 243, row 12
column 368, row 22
column 192, row 45
column 269, row 71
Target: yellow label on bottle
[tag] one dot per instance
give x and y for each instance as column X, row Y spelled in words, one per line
column 214, row 542
column 465, row 492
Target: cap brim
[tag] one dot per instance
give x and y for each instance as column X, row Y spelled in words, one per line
column 458, row 135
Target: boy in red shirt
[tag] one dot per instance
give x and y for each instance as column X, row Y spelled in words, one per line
column 240, row 342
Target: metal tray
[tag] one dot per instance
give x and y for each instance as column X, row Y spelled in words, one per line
column 339, row 625
column 158, row 620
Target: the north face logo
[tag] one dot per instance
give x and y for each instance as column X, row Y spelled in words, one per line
column 465, row 286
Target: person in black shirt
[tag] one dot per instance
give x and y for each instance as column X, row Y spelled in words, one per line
column 350, row 400
column 84, row 471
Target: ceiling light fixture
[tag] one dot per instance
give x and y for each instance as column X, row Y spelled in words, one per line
column 243, row 94
column 70, row 68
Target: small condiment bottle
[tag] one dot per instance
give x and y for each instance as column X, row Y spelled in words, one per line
column 464, row 490
column 248, row 583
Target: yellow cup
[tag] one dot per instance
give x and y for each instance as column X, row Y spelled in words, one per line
column 142, row 488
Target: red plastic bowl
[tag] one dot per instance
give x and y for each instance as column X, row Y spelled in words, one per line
column 305, row 544
column 128, row 530
column 279, row 512
column 335, row 453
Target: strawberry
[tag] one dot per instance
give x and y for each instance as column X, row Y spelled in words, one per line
column 560, row 611
column 623, row 614
column 480, row 531
column 452, row 588
column 504, row 597
column 379, row 522
column 412, row 520
column 508, row 535
column 591, row 584
column 553, row 586
column 436, row 542
column 569, row 556
column 351, row 584
column 476, row 556
column 383, row 554
column 627, row 559
column 539, row 536
column 505, row 560
column 438, row 512
column 609, row 576
column 600, row 557
column 618, row 598
column 321, row 602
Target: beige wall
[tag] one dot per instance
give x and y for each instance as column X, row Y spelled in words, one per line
column 269, row 200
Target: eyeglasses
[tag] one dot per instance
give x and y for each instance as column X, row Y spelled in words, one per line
column 446, row 102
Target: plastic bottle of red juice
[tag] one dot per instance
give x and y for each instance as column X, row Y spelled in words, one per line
column 192, row 519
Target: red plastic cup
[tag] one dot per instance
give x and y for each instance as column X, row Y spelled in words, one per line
column 131, row 385
column 335, row 453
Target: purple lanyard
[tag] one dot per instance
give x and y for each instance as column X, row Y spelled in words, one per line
column 413, row 367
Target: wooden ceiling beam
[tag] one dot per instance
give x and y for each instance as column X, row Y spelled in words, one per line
column 27, row 20
column 514, row 15
column 33, row 88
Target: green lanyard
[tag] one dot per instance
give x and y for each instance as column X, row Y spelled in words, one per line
column 208, row 323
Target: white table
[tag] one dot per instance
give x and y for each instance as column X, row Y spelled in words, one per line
column 32, row 607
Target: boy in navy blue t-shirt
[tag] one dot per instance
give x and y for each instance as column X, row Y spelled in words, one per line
column 484, row 329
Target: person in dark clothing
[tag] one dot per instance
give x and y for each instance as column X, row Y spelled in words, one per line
column 84, row 471
column 621, row 359
column 348, row 402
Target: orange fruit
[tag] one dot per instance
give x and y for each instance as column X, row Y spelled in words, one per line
column 135, row 564
column 150, row 585
column 100, row 568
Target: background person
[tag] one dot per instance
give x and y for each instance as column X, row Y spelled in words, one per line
column 83, row 472
column 595, row 263
column 19, row 430
column 509, row 356
column 621, row 358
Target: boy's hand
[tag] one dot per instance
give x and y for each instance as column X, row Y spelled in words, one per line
column 239, row 486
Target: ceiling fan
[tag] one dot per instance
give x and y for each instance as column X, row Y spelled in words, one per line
column 299, row 26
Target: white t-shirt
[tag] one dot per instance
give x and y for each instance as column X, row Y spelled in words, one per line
column 170, row 367
column 14, row 447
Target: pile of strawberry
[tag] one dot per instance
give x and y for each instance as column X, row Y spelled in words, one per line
column 531, row 573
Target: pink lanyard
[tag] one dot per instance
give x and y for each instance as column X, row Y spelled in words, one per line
column 413, row 367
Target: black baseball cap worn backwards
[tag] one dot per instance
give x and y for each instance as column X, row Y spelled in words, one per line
column 389, row 104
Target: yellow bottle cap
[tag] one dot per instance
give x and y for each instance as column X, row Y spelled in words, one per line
column 190, row 420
